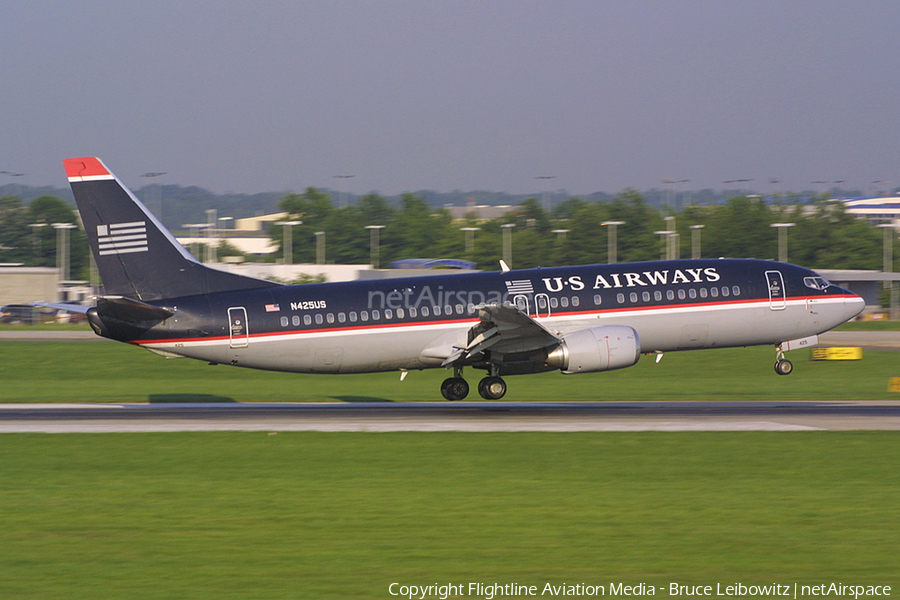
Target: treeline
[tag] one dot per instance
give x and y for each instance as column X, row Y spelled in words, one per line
column 27, row 235
column 824, row 235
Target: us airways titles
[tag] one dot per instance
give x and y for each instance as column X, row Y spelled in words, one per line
column 628, row 280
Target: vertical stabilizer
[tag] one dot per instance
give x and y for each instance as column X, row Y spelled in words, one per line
column 136, row 256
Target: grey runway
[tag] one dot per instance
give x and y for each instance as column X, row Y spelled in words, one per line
column 462, row 416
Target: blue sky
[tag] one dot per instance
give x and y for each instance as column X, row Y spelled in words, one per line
column 407, row 95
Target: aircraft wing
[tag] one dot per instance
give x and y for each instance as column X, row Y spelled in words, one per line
column 504, row 329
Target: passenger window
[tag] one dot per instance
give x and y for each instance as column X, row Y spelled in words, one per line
column 670, row 295
column 471, row 308
column 564, row 302
column 448, row 310
column 703, row 293
column 553, row 303
column 714, row 292
column 657, row 295
column 460, row 309
column 681, row 294
column 645, row 296
column 413, row 313
column 307, row 320
column 425, row 311
column 319, row 319
column 575, row 301
column 342, row 318
column 364, row 315
column 399, row 313
column 376, row 315
column 692, row 293
column 725, row 291
column 329, row 317
column 284, row 321
column 388, row 313
column 632, row 297
column 620, row 298
column 353, row 316
column 295, row 320
column 542, row 302
column 597, row 299
column 736, row 291
column 437, row 311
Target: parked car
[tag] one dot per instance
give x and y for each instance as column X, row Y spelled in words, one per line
column 26, row 314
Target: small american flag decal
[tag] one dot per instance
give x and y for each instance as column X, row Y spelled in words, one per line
column 519, row 286
column 273, row 308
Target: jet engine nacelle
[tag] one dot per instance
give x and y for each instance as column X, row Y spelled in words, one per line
column 596, row 349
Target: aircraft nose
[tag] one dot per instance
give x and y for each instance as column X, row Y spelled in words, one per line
column 853, row 305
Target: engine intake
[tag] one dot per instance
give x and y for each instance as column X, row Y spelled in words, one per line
column 596, row 349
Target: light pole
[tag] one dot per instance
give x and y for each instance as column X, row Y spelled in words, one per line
column 612, row 241
column 153, row 175
column 194, row 233
column 345, row 193
column 672, row 201
column 470, row 239
column 212, row 220
column 695, row 240
column 664, row 235
column 288, row 244
column 507, row 243
column 320, row 247
column 673, row 247
column 545, row 193
column 373, row 244
column 782, row 240
column 62, row 249
column 888, row 266
column 36, row 228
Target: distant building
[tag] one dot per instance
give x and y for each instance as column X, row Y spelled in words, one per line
column 479, row 212
column 874, row 209
column 20, row 285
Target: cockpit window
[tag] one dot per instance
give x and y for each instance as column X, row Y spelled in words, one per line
column 816, row 283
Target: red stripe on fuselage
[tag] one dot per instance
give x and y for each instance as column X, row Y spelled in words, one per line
column 618, row 309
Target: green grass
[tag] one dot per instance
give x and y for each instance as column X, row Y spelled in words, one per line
column 316, row 515
column 869, row 326
column 109, row 372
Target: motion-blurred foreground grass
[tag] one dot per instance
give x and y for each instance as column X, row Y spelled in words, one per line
column 109, row 372
column 319, row 515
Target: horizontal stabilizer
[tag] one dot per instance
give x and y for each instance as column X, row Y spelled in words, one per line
column 130, row 310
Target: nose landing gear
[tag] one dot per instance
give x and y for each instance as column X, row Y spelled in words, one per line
column 782, row 365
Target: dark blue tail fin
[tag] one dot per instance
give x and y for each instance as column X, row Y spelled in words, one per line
column 136, row 256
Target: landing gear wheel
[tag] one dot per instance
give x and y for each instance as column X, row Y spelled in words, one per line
column 492, row 388
column 454, row 388
column 784, row 367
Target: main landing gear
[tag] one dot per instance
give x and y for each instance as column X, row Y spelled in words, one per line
column 456, row 388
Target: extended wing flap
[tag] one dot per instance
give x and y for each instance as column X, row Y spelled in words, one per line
column 504, row 329
column 517, row 331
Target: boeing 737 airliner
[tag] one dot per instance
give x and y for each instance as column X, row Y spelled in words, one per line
column 574, row 319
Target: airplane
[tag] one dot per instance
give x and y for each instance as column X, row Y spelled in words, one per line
column 578, row 319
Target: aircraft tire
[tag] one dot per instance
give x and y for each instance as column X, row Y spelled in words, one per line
column 784, row 367
column 454, row 388
column 492, row 388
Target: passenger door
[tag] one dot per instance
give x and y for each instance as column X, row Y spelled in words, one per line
column 238, row 333
column 777, row 294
